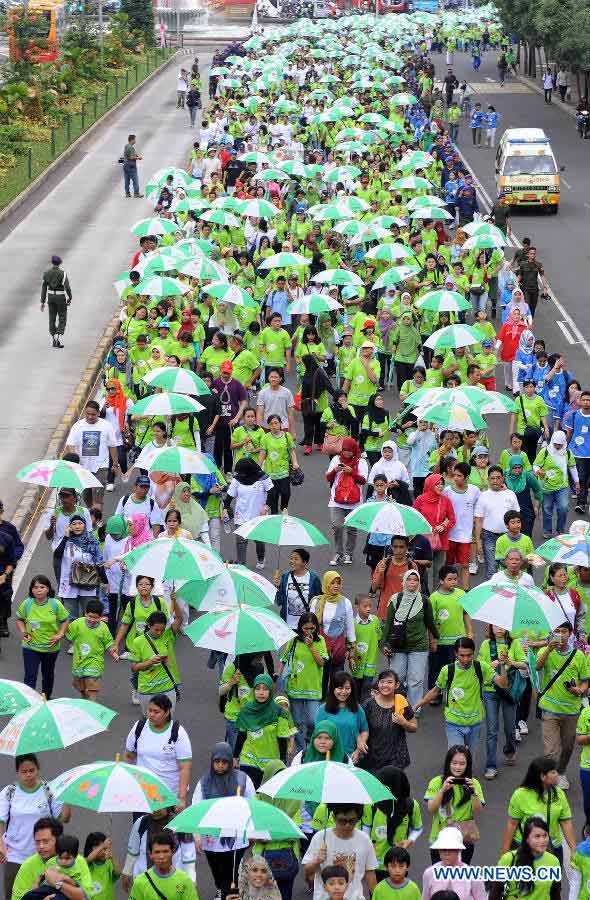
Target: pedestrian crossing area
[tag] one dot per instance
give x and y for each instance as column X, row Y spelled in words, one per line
column 494, row 87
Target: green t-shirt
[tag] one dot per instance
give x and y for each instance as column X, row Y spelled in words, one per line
column 505, row 543
column 579, row 861
column 42, row 621
column 555, row 478
column 583, row 727
column 534, row 407
column 155, row 680
column 487, row 363
column 541, row 889
column 434, row 378
column 305, row 680
column 385, row 890
column 525, row 802
column 462, row 362
column 238, row 695
column 26, row 876
column 240, row 434
column 262, row 746
column 274, row 345
column 448, row 615
column 376, row 821
column 361, row 386
column 104, row 879
column 464, row 706
column 78, row 872
column 515, row 654
column 376, row 433
column 368, row 634
column 175, row 886
column 506, row 456
column 278, row 453
column 458, row 810
column 90, row 645
column 245, row 364
column 558, row 699
column 211, row 359
column 136, row 613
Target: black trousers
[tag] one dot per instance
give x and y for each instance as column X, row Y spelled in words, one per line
column 532, row 298
column 58, row 313
column 224, row 868
column 280, row 495
column 403, row 372
column 33, row 660
column 313, row 430
column 222, row 447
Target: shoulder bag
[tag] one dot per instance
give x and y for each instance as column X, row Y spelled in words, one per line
column 541, row 694
column 163, row 664
column 84, row 575
column 530, row 433
column 397, row 637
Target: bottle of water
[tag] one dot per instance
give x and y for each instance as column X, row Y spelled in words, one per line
column 226, row 523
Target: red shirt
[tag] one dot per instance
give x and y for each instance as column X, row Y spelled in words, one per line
column 509, row 334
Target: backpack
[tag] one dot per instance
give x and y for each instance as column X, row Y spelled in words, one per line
column 140, row 725
column 11, row 791
column 126, row 497
column 29, row 603
column 451, row 669
column 157, row 603
column 347, row 490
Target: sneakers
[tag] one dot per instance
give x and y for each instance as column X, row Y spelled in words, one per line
column 110, row 487
column 347, row 559
column 522, row 727
column 260, row 564
column 473, row 568
column 510, row 759
column 135, row 698
column 490, row 774
column 337, row 560
column 580, row 509
column 124, row 655
column 308, row 450
column 517, row 736
column 563, row 783
column 480, row 558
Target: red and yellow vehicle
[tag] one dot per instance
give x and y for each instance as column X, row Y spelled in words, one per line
column 41, row 25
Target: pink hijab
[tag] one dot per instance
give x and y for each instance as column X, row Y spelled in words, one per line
column 141, row 532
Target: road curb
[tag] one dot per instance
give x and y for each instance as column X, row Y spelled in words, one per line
column 53, row 167
column 530, row 82
column 29, row 503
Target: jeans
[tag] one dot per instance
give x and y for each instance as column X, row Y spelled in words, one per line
column 411, row 671
column 583, row 467
column 215, row 533
column 467, row 735
column 33, row 659
column 494, row 705
column 488, row 543
column 304, row 713
column 555, row 500
column 231, row 734
column 242, row 550
column 193, row 110
column 341, row 532
column 454, row 131
column 130, row 177
column 478, row 301
column 122, row 460
column 76, row 606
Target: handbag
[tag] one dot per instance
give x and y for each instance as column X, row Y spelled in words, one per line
column 336, row 647
column 84, row 575
column 516, row 682
column 332, row 445
column 397, row 637
column 468, row 829
column 530, row 433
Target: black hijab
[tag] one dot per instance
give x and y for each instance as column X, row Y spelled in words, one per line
column 375, row 414
column 247, row 471
column 397, row 782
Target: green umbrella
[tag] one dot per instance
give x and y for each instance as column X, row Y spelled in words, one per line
column 443, row 301
column 392, row 253
column 388, row 518
column 512, row 607
column 181, row 381
column 237, row 584
column 156, row 286
column 313, row 304
column 453, row 336
column 155, row 226
column 338, row 276
column 404, row 99
column 260, row 209
column 425, row 200
column 571, row 549
column 282, row 530
column 342, row 172
column 204, row 269
column 431, row 212
column 412, row 183
column 484, row 242
column 58, row 473
column 395, row 275
column 284, row 260
column 53, row 725
column 326, row 782
column 471, row 396
column 113, row 787
column 241, row 629
column 15, row 696
column 220, row 217
column 451, row 415
column 165, row 405
column 236, row 817
column 179, row 175
column 174, row 559
column 176, row 460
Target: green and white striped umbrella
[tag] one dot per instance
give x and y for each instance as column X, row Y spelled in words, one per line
column 512, row 606
column 195, row 246
column 342, row 172
column 484, row 229
column 571, row 549
column 155, row 226
column 415, row 159
column 272, row 175
column 237, row 584
column 58, row 473
column 110, row 787
column 484, row 242
column 230, row 203
column 467, row 395
column 338, row 276
column 183, row 381
column 179, row 175
column 242, row 629
column 330, row 211
column 352, row 205
column 155, row 263
column 256, row 156
column 230, row 293
column 388, row 518
column 452, row 415
column 373, row 118
column 165, row 405
column 425, row 200
column 395, row 275
column 443, row 301
column 351, row 227
column 284, row 260
column 236, row 817
column 53, row 725
column 412, row 183
column 220, row 217
column 174, row 559
column 282, row 530
column 296, row 169
column 177, row 460
column 403, row 99
column 161, row 286
column 453, row 336
column 313, row 304
column 387, row 221
column 431, row 212
column 260, row 209
column 369, row 233
column 204, row 269
column 391, row 253
column 326, row 782
column 16, row 696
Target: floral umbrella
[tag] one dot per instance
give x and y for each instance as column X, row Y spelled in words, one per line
column 58, row 473
column 53, row 725
column 113, row 787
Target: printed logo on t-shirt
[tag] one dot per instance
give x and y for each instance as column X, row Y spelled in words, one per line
column 443, row 615
column 273, row 454
column 359, row 379
column 256, row 734
column 34, row 625
column 243, row 692
column 84, row 649
column 361, row 647
column 140, row 627
column 90, row 443
column 458, row 693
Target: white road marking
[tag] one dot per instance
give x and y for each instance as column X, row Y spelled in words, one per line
column 563, row 327
column 30, row 548
column 567, row 184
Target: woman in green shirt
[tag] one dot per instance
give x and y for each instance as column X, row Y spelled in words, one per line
column 553, row 466
column 533, row 853
column 389, row 823
column 263, row 731
column 454, row 796
column 42, row 620
column 374, row 428
column 213, row 355
column 236, row 687
column 245, row 439
column 277, row 452
column 405, row 346
column 154, row 659
column 303, row 660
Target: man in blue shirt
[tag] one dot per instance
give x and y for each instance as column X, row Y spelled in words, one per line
column 277, row 302
column 476, row 124
column 578, row 438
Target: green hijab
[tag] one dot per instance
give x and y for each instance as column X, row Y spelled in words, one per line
column 516, row 483
column 291, row 807
column 326, row 726
column 254, row 715
column 116, row 527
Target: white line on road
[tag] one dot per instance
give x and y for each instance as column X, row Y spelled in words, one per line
column 568, row 335
column 567, row 184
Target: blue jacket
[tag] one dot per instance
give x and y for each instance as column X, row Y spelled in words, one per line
column 478, row 118
column 315, row 588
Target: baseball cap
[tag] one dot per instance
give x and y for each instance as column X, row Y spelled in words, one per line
column 366, row 344
column 480, row 450
column 369, row 323
column 226, row 366
column 142, row 481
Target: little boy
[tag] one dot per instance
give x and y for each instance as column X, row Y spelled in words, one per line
column 367, row 628
column 514, row 449
column 434, row 372
column 487, row 362
column 397, row 884
column 335, row 881
column 346, row 352
column 451, row 620
column 514, row 539
column 91, row 638
column 67, row 867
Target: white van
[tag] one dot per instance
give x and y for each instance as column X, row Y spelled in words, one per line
column 526, row 169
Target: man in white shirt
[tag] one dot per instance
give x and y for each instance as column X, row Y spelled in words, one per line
column 140, row 503
column 342, row 845
column 93, row 439
column 211, row 164
column 464, row 498
column 489, row 517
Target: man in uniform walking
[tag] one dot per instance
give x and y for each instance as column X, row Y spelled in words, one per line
column 57, row 293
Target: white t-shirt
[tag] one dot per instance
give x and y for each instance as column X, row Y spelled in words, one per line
column 25, row 808
column 111, row 550
column 250, row 498
column 464, row 503
column 525, row 580
column 356, row 854
column 295, row 606
column 491, row 507
column 112, row 416
column 329, row 612
column 148, row 507
column 215, row 844
column 156, row 753
column 92, row 443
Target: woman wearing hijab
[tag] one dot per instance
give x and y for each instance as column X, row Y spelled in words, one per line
column 375, row 425
column 508, row 340
column 236, row 686
column 524, row 359
column 325, row 743
column 81, row 567
column 438, row 511
column 115, row 411
column 316, row 388
column 393, row 824
column 194, row 517
column 340, row 422
column 528, row 490
column 138, row 531
column 263, row 731
column 390, row 466
column 336, row 620
column 222, row 780
column 120, row 369
column 256, row 881
column 405, row 347
column 281, row 856
column 346, row 475
column 517, row 301
column 407, row 647
column 551, row 467
column 249, row 490
column 119, row 580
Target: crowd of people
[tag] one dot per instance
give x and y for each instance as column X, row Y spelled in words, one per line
column 365, row 214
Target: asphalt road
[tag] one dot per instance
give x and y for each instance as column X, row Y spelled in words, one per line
column 88, row 212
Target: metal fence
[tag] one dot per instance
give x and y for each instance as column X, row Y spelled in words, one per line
column 38, row 155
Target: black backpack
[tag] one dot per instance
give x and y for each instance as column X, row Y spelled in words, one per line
column 451, row 669
column 140, row 725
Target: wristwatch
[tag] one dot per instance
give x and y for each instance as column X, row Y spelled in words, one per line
column 58, row 885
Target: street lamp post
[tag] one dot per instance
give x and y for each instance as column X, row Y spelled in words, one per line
column 101, row 35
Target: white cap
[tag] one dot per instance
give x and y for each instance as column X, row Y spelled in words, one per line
column 448, row 839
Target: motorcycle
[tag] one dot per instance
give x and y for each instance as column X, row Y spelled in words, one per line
column 583, row 123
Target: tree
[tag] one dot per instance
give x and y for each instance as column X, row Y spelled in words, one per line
column 141, row 19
